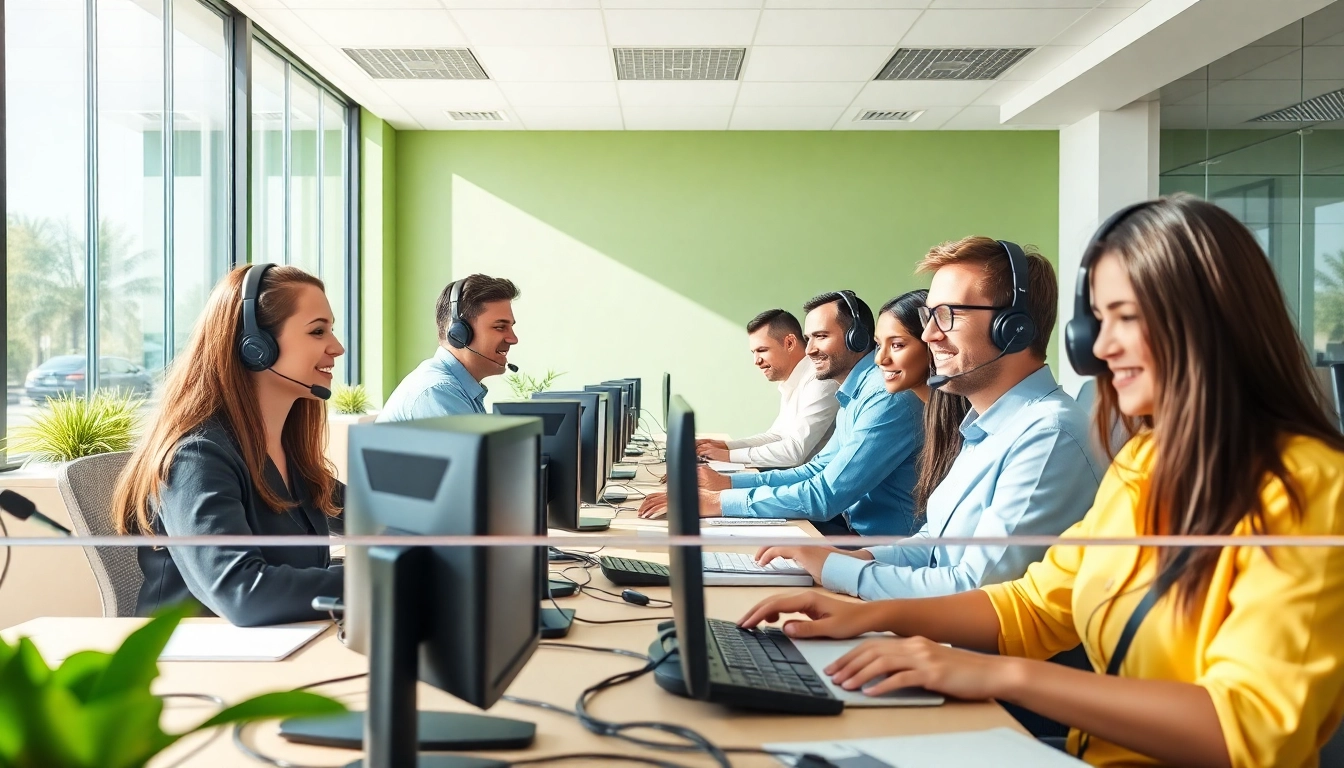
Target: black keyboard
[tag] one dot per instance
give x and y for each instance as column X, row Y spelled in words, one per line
column 762, row 669
column 626, row 572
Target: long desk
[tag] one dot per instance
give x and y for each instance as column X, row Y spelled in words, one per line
column 554, row 675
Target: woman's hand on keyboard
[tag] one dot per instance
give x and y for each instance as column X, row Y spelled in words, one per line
column 917, row 662
column 811, row 559
column 830, row 616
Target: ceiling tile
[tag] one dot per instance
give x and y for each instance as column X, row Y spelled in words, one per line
column 278, row 20
column 798, row 94
column 920, row 94
column 560, row 94
column 991, row 27
column 1122, row 3
column 1279, row 93
column 1323, row 24
column 532, row 27
column 375, row 5
column 389, row 111
column 815, row 63
column 570, row 118
column 677, row 93
column 1008, row 4
column 1039, row 62
column 372, row 29
column 779, row 27
column 973, row 119
column 681, row 28
column 1289, row 35
column 784, row 118
column 931, row 120
column 502, row 5
column 848, row 4
column 464, row 95
column 1323, row 62
column 1092, row 26
column 1259, row 62
column 682, row 4
column 677, row 118
column 547, row 64
column 1001, row 92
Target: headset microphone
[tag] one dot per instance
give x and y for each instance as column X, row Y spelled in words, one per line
column 936, row 382
column 317, row 390
column 510, row 366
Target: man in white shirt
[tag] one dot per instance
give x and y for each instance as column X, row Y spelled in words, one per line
column 807, row 407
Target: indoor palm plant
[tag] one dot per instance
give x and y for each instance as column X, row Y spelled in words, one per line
column 72, row 426
column 524, row 385
column 96, row 709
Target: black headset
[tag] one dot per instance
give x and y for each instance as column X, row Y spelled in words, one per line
column 257, row 347
column 1080, row 335
column 1012, row 329
column 459, row 333
column 859, row 338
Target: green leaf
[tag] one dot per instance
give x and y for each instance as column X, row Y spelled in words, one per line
column 20, row 687
column 80, row 672
column 123, row 731
column 135, row 664
column 270, row 706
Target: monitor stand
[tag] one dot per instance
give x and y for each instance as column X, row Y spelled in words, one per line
column 590, row 524
column 555, row 622
column 613, row 496
column 394, row 732
column 618, row 473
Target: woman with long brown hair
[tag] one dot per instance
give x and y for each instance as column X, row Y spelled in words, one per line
column 1212, row 656
column 237, row 448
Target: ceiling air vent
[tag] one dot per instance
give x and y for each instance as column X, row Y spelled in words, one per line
column 951, row 63
column 476, row 117
column 418, row 63
column 679, row 63
column 1321, row 109
column 889, row 115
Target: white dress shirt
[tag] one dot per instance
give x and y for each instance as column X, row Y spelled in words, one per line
column 807, row 409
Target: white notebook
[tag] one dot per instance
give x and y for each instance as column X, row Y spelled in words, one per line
column 998, row 747
column 225, row 642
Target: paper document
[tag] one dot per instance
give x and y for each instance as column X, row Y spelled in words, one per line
column 998, row 747
column 725, row 467
column 739, row 521
column 225, row 642
column 820, row 654
column 754, row 531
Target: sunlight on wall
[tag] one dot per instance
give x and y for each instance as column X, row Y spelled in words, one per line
column 594, row 318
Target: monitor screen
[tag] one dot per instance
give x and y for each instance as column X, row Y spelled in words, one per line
column 685, row 563
column 592, row 441
column 560, row 447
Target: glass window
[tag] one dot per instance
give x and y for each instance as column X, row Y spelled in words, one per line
column 268, row 155
column 333, row 269
column 304, row 208
column 200, row 160
column 45, row 104
column 130, row 184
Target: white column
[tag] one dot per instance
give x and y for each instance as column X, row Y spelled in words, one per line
column 1106, row 160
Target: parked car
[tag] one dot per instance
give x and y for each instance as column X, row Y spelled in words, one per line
column 64, row 374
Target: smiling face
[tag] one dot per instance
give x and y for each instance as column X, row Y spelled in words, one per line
column 492, row 334
column 967, row 345
column 774, row 357
column 826, row 343
column 903, row 358
column 1122, row 343
column 308, row 346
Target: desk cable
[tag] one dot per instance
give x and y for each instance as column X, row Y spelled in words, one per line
column 217, row 730
column 9, row 553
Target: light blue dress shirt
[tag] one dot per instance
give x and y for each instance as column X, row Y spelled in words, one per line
column 439, row 386
column 867, row 471
column 1027, row 467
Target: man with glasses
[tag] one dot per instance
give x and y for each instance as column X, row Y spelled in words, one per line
column 1025, row 465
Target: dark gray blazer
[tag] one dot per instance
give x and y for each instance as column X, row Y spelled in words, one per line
column 209, row 491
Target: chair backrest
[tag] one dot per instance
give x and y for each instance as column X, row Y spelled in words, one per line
column 87, row 486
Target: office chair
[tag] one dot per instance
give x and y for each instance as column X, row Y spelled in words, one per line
column 87, row 486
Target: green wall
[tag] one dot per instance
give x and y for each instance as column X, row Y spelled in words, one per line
column 378, row 251
column 695, row 233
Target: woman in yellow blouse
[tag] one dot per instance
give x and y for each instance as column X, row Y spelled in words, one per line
column 1240, row 661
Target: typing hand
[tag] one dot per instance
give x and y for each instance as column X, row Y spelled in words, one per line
column 654, row 505
column 704, row 443
column 711, row 480
column 915, row 661
column 830, row 616
column 811, row 559
column 713, row 454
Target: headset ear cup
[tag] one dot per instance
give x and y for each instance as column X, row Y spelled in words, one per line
column 1080, row 338
column 258, row 351
column 1012, row 332
column 459, row 334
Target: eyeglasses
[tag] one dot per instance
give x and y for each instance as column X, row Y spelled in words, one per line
column 942, row 314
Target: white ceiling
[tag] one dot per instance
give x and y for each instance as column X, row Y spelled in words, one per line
column 809, row 65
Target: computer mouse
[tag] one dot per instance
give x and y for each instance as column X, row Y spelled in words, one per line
column 637, row 598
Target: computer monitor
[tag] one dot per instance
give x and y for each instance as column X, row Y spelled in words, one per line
column 560, row 450
column 461, row 618
column 667, row 396
column 631, row 416
column 615, row 409
column 685, row 564
column 592, row 441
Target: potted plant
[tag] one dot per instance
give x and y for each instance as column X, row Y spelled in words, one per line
column 524, row 385
column 96, row 709
column 69, row 427
column 350, row 400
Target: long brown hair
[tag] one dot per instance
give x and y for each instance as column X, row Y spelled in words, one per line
column 208, row 381
column 943, row 413
column 1233, row 377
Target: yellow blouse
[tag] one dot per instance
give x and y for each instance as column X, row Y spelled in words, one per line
column 1268, row 640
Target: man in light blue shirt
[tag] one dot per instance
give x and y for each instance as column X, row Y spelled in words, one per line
column 1026, row 464
column 863, row 480
column 475, row 320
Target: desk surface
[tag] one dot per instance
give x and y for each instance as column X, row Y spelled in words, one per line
column 554, row 675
